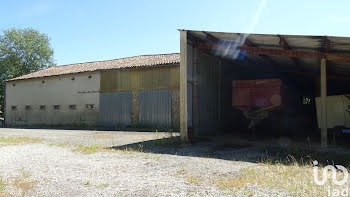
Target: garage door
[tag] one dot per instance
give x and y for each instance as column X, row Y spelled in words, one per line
column 155, row 109
column 115, row 109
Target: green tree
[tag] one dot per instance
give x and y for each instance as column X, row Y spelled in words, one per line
column 22, row 51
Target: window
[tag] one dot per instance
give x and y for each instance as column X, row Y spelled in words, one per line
column 73, row 107
column 56, row 107
column 14, row 108
column 306, row 100
column 28, row 107
column 42, row 107
column 89, row 106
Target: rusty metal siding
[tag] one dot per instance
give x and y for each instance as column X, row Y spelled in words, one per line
column 160, row 78
column 155, row 109
column 208, row 94
column 115, row 109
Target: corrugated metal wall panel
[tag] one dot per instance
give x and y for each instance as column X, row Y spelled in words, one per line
column 115, row 109
column 208, row 94
column 141, row 79
column 155, row 109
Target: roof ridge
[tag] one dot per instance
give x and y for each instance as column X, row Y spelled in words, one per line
column 130, row 62
column 116, row 59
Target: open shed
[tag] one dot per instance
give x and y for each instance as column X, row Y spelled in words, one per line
column 211, row 63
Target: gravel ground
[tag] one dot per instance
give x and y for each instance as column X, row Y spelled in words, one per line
column 85, row 137
column 58, row 171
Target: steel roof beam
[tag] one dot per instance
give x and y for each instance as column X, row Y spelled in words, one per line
column 284, row 44
column 211, row 38
column 249, row 43
column 327, row 45
column 281, row 52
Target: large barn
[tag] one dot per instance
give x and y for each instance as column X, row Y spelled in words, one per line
column 139, row 92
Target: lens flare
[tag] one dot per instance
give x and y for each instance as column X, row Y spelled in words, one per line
column 229, row 49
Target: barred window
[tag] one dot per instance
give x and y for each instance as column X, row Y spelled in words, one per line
column 72, row 107
column 89, row 106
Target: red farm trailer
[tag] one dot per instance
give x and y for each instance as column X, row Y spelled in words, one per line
column 270, row 102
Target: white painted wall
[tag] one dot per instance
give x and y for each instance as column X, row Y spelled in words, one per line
column 58, row 90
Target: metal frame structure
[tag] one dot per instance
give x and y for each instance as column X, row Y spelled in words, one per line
column 294, row 48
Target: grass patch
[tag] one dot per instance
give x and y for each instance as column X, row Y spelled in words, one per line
column 88, row 149
column 127, row 149
column 296, row 179
column 2, row 187
column 290, row 174
column 24, row 184
column 104, row 136
column 102, row 185
column 194, row 180
column 59, row 144
column 281, row 172
column 88, row 183
column 172, row 140
column 97, row 148
column 9, row 141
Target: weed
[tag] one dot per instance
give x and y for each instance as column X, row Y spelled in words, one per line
column 104, row 136
column 60, row 144
column 194, row 180
column 23, row 184
column 96, row 148
column 25, row 174
column 2, row 185
column 102, row 185
column 88, row 183
column 88, row 149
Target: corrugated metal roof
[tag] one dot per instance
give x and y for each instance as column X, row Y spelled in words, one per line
column 122, row 63
column 295, row 42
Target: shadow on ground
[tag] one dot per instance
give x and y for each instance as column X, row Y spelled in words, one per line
column 207, row 149
column 241, row 151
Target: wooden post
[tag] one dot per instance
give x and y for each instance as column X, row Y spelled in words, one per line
column 323, row 103
column 220, row 83
column 183, row 86
column 195, row 91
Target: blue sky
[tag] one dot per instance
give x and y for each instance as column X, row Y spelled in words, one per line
column 85, row 30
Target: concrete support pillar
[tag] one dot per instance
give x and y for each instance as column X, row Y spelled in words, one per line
column 323, row 88
column 135, row 109
column 183, row 86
